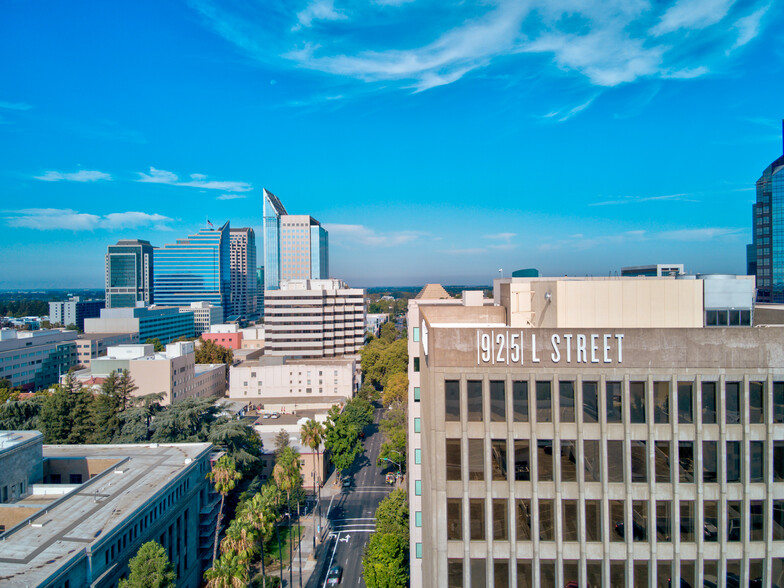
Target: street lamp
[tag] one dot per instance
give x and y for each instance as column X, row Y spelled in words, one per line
column 399, row 467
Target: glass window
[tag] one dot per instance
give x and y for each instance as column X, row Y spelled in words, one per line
column 418, row 487
column 568, row 461
column 616, row 520
column 417, row 425
column 418, row 548
column 524, row 574
column 566, row 401
column 416, row 364
column 477, row 515
column 687, row 521
column 497, row 401
column 755, row 572
column 778, row 461
column 452, row 400
column 614, row 402
column 571, row 522
column 757, row 520
column 594, row 573
column 688, row 573
column 757, row 461
column 544, row 455
column 661, row 402
column 732, row 402
column 474, row 406
column 756, row 403
column 478, row 573
column 498, row 455
column 685, row 415
column 571, row 572
column 640, row 520
column 417, row 456
column 501, row 573
column 500, row 527
column 417, row 394
column 617, row 574
column 664, row 521
column 733, row 461
column 686, row 461
column 522, row 460
column 591, row 460
column 709, row 403
column 641, row 574
column 710, row 462
column 544, row 408
column 734, row 520
column 615, row 460
column 476, row 459
column 778, row 402
column 523, row 519
column 593, row 520
column 547, row 572
column 418, row 518
column 546, row 520
column 710, row 524
column 520, row 401
column 416, row 334
column 664, row 573
column 453, row 459
column 591, row 402
column 639, row 461
column 710, row 570
column 454, row 519
column 637, row 402
column 778, row 520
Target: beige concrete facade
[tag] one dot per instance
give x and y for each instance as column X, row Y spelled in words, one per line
column 92, row 345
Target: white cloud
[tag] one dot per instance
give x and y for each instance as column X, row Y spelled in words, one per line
column 467, row 251
column 231, row 197
column 160, row 176
column 748, row 27
column 15, row 105
column 318, row 10
column 366, row 236
column 704, row 234
column 80, row 176
column 501, row 236
column 639, row 199
column 692, row 14
column 49, row 219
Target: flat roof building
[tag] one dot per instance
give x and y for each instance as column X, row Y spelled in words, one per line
column 129, row 274
column 163, row 323
column 36, row 359
column 92, row 345
column 73, row 311
column 205, row 314
column 596, row 432
column 244, row 289
column 653, row 270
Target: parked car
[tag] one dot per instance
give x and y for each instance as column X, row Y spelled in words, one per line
column 334, row 576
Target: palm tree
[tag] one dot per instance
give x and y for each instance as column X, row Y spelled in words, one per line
column 229, row 571
column 261, row 513
column 225, row 476
column 240, row 539
column 312, row 434
column 286, row 474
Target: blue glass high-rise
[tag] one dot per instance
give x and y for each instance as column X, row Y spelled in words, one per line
column 273, row 210
column 195, row 269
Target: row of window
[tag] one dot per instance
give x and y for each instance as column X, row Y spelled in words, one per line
column 671, row 461
column 656, row 518
column 639, row 398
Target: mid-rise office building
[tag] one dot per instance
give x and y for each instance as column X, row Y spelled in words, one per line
column 296, row 247
column 766, row 256
column 92, row 345
column 163, row 323
column 129, row 274
column 244, row 290
column 36, row 359
column 228, row 335
column 594, row 432
column 74, row 515
column 653, row 270
column 260, row 291
column 195, row 269
column 205, row 314
column 314, row 318
column 73, row 311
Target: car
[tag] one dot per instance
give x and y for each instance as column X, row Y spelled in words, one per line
column 275, row 415
column 334, row 576
column 347, row 482
column 267, row 416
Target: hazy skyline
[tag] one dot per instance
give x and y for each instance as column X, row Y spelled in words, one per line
column 435, row 144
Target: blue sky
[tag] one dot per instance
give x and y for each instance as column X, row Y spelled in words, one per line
column 436, row 142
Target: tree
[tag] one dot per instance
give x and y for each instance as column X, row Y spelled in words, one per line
column 150, row 568
column 186, row 421
column 358, row 412
column 388, row 332
column 261, row 513
column 342, row 440
column 240, row 441
column 385, row 564
column 224, row 476
column 158, row 346
column 311, row 434
column 65, row 414
column 240, row 539
column 124, row 391
column 396, row 390
column 229, row 571
column 207, row 351
column 286, row 472
column 392, row 514
column 282, row 440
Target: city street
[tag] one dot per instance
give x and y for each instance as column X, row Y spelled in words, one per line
column 350, row 512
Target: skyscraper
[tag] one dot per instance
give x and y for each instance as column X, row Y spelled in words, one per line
column 195, row 269
column 767, row 251
column 129, row 271
column 296, row 247
column 244, row 293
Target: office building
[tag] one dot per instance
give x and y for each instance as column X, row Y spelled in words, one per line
column 33, row 360
column 205, row 314
column 73, row 311
column 173, row 372
column 260, row 291
column 653, row 270
column 195, row 269
column 92, row 345
column 76, row 514
column 129, row 274
column 374, row 322
column 296, row 247
column 163, row 323
column 314, row 318
column 244, row 297
column 253, row 337
column 228, row 336
column 766, row 255
column 594, row 432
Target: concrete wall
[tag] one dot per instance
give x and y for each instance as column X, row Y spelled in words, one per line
column 20, row 464
column 249, row 381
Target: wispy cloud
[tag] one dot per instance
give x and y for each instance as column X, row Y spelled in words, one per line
column 50, row 219
column 367, row 236
column 318, row 10
column 692, row 14
column 692, row 235
column 639, row 199
column 231, row 197
column 504, row 241
column 82, row 175
column 467, row 251
column 160, row 176
column 15, row 105
column 748, row 27
column 704, row 234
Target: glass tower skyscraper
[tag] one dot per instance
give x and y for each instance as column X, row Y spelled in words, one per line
column 195, row 269
column 767, row 251
column 273, row 210
column 129, row 273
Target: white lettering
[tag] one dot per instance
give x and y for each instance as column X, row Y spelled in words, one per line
column 620, row 347
column 607, row 348
column 500, row 339
column 556, row 354
column 486, row 347
column 515, row 348
column 534, row 359
column 581, row 352
column 568, row 339
column 594, row 348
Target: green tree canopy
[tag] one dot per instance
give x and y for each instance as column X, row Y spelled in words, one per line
column 150, row 568
column 158, row 346
column 207, row 351
column 385, row 564
column 396, row 390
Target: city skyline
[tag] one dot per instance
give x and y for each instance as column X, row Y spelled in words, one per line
column 433, row 144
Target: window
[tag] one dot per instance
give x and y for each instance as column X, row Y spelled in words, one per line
column 637, row 402
column 566, row 401
column 686, row 461
column 501, row 573
column 756, row 403
column 591, row 460
column 416, row 364
column 734, row 520
column 732, row 402
column 661, row 461
column 593, row 520
column 664, row 521
column 75, row 478
column 687, row 521
column 640, row 520
column 500, row 526
column 685, row 403
column 614, row 402
column 418, row 487
column 417, row 456
column 452, row 400
column 778, row 402
column 616, row 520
column 594, row 573
column 453, row 459
column 547, row 572
column 477, row 518
column 544, row 410
column 590, row 402
column 546, row 520
column 710, row 462
column 520, row 401
column 524, row 519
column 476, row 459
column 416, row 334
column 497, row 401
column 418, row 518
column 733, row 461
column 498, row 456
column 478, row 573
column 454, row 571
column 778, row 461
column 661, row 402
column 757, row 520
column 522, row 460
column 709, row 403
column 416, row 394
column 710, row 520
column 474, row 406
column 615, row 461
column 417, row 425
column 568, row 461
column 419, row 550
column 571, row 522
column 454, row 519
column 639, row 462
column 544, row 456
column 778, row 520
column 756, row 461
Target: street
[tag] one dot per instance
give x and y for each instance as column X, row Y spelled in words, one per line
column 351, row 514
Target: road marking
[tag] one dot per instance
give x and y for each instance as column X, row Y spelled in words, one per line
column 331, row 559
column 345, row 539
column 330, row 505
column 365, row 519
